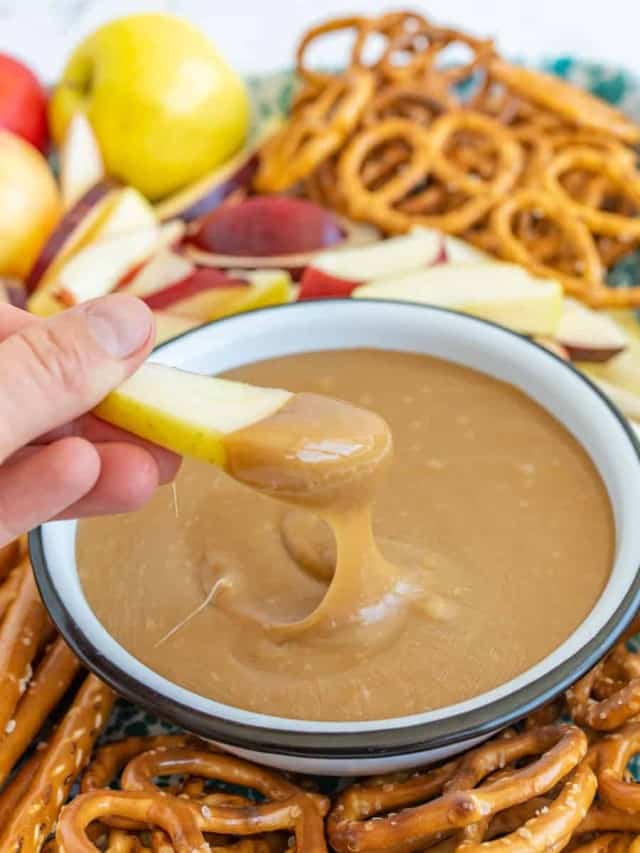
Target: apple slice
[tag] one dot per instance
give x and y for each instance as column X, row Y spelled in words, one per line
column 236, row 174
column 589, row 335
column 187, row 412
column 338, row 273
column 503, row 293
column 626, row 401
column 169, row 326
column 165, row 268
column 635, row 426
column 457, row 251
column 552, row 346
column 81, row 165
column 74, row 229
column 211, row 294
column 621, row 371
column 97, row 269
column 131, row 212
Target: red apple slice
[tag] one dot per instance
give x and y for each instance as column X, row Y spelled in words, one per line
column 81, row 165
column 74, row 229
column 165, row 268
column 96, row 270
column 181, row 294
column 589, row 335
column 458, row 251
column 210, row 191
column 338, row 273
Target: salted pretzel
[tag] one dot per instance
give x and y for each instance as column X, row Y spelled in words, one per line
column 454, row 796
column 9, row 589
column 608, row 842
column 315, row 34
column 314, row 132
column 23, row 629
column 109, row 760
column 405, row 100
column 609, row 694
column 610, row 758
column 62, row 761
column 571, row 103
column 51, row 681
column 9, row 556
column 14, row 791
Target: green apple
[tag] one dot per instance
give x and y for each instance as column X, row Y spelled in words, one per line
column 164, row 105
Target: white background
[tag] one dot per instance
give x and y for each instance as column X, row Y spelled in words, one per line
column 258, row 35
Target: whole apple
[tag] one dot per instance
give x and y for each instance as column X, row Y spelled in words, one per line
column 165, row 106
column 23, row 103
column 29, row 204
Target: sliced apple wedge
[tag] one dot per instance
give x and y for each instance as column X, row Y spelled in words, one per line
column 503, row 293
column 81, row 164
column 97, row 269
column 337, row 273
column 210, row 191
column 169, row 326
column 457, row 251
column 75, row 228
column 210, row 294
column 188, row 413
column 131, row 212
column 165, row 268
column 589, row 335
column 626, row 401
column 621, row 371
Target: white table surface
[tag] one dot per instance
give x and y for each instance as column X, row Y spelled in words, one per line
column 259, row 35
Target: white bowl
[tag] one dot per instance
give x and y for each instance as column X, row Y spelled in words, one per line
column 352, row 748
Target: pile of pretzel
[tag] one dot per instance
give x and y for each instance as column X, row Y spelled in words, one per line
column 517, row 162
column 547, row 786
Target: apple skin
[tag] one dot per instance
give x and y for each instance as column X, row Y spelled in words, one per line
column 23, row 103
column 263, row 226
column 198, row 282
column 64, row 230
column 317, row 284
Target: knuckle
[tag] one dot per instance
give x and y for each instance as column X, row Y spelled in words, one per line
column 58, row 363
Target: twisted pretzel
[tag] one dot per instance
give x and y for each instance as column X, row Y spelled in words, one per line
column 314, row 132
column 571, row 103
column 610, row 758
column 452, row 797
column 109, row 760
column 313, row 35
column 60, row 765
column 608, row 842
column 609, row 695
column 23, row 629
column 51, row 681
column 9, row 589
column 9, row 556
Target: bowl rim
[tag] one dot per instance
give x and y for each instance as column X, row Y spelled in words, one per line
column 449, row 730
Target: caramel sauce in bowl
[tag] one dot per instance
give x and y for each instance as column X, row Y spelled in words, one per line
column 362, row 743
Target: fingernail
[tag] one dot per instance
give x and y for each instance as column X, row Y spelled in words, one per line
column 120, row 324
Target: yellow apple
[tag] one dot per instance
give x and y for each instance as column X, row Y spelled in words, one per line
column 164, row 105
column 29, row 204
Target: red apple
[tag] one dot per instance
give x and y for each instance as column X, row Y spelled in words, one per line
column 23, row 103
column 589, row 335
column 337, row 273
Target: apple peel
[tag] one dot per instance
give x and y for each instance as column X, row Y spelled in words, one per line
column 589, row 335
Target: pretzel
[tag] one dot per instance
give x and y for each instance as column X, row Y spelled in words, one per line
column 314, row 34
column 166, row 761
column 315, row 132
column 571, row 103
column 109, row 760
column 603, row 700
column 23, row 629
column 404, row 100
column 603, row 818
column 61, row 763
column 551, row 828
column 608, row 842
column 52, row 679
column 9, row 589
column 610, row 758
column 454, row 796
column 9, row 556
column 14, row 791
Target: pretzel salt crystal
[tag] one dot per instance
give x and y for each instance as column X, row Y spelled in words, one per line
column 63, row 760
column 53, row 677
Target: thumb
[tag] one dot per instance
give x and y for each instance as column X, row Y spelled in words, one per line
column 54, row 371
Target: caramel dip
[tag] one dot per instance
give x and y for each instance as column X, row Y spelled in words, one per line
column 431, row 537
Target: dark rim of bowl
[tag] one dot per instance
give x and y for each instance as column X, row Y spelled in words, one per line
column 383, row 742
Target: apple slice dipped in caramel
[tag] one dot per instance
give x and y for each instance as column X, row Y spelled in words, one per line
column 338, row 273
column 503, row 293
column 81, row 164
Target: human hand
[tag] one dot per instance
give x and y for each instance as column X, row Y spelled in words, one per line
column 57, row 461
